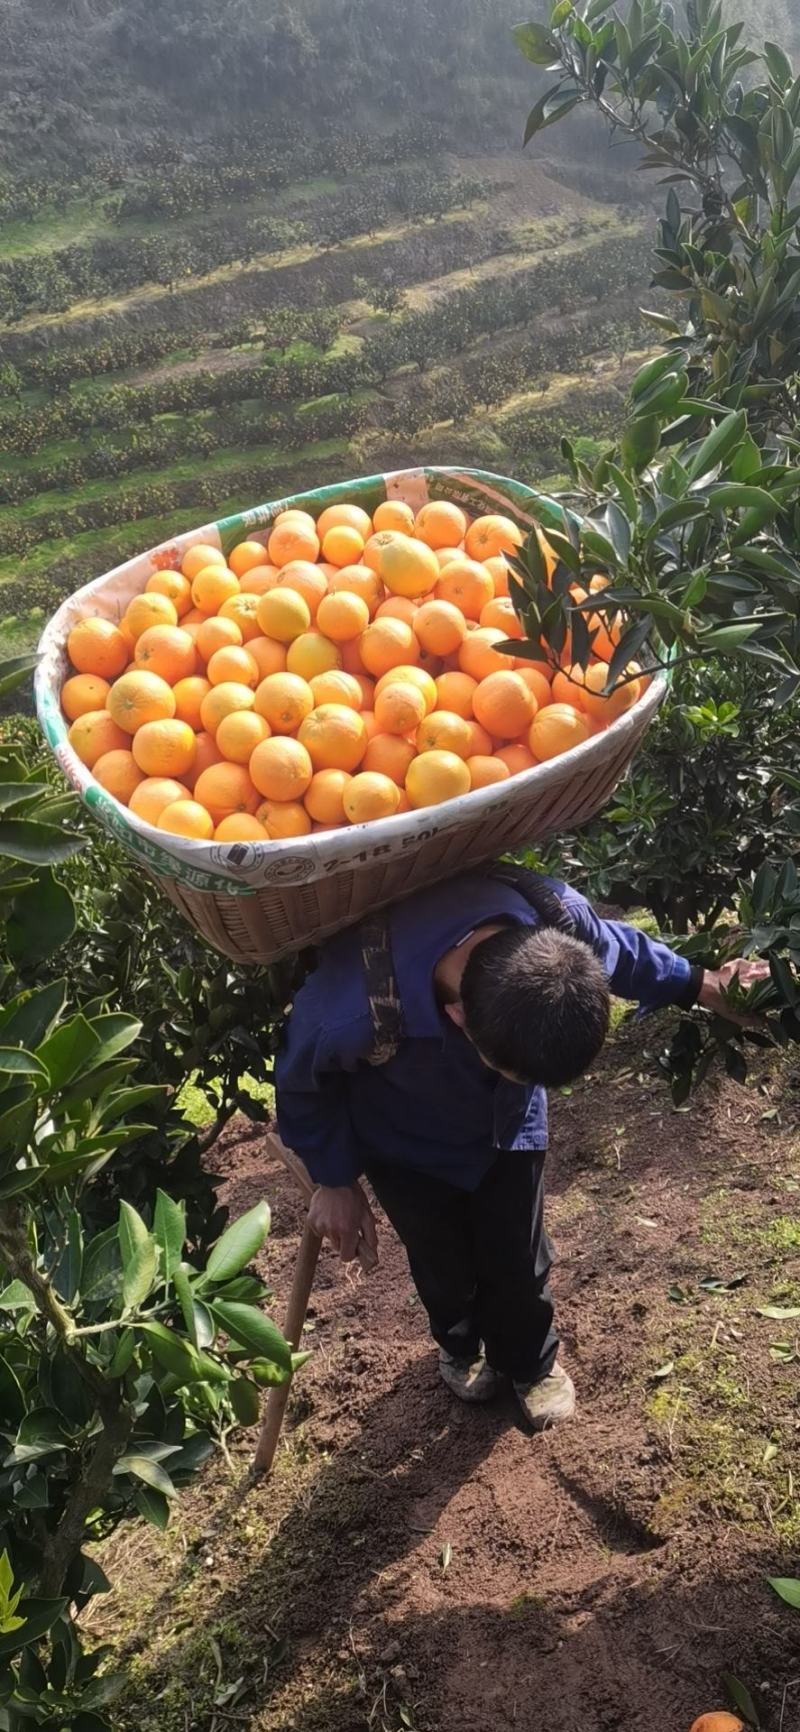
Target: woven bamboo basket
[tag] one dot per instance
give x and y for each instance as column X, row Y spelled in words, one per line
column 257, row 902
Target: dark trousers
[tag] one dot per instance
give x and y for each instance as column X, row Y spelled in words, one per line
column 479, row 1259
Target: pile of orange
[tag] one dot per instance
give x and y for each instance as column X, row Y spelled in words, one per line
column 347, row 670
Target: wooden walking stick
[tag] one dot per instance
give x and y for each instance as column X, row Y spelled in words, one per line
column 302, row 1283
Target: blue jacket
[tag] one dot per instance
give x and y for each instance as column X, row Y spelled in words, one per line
column 434, row 1106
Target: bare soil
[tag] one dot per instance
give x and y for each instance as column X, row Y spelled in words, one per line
column 416, row 1564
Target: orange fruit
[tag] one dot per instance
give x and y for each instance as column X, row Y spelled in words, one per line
column 443, row 731
column 283, row 614
column 259, row 579
column 290, row 540
column 455, row 691
column 478, row 656
column 283, row 819
column 82, row 693
column 598, row 582
column 407, row 567
column 499, row 573
column 239, row 733
column 567, row 687
column 484, row 770
column 189, row 695
column 334, row 737
column 152, row 794
column 293, row 514
column 367, row 687
column 500, row 613
column 222, row 700
column 435, row 776
column 490, row 535
column 342, row 545
column 516, row 758
column 269, row 655
column 97, row 646
column 504, row 705
column 149, row 610
column 387, row 643
column 389, row 755
column 608, row 709
column 311, row 654
column 233, row 663
column 139, row 697
column 718, row 1721
column 164, row 748
column 481, row 744
column 347, row 516
column 466, row 585
column 246, row 556
column 536, row 679
column 213, row 586
column 118, row 773
column 394, row 514
column 398, row 607
column 167, row 651
column 125, row 632
column 281, row 769
column 557, row 729
column 399, row 708
column 174, row 586
column 440, row 524
column 445, row 554
column 342, row 616
column 358, row 580
column 324, row 800
column 307, row 580
column 284, row 700
column 187, row 818
column 199, row 557
column 240, row 827
column 368, row 718
column 337, row 687
column 206, row 753
column 217, row 633
column 370, row 795
column 440, row 627
column 243, row 611
column 350, row 656
column 411, row 676
column 226, row 788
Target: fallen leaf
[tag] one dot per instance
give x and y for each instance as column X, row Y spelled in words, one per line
column 741, row 1699
column 787, row 1588
column 769, row 1455
column 665, row 1370
column 778, row 1312
column 445, row 1556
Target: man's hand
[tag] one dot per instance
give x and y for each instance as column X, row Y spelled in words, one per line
column 716, row 984
column 341, row 1214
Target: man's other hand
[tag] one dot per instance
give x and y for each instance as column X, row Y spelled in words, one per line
column 341, row 1214
column 716, row 984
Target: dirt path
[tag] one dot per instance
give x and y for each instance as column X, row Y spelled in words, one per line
column 417, row 1565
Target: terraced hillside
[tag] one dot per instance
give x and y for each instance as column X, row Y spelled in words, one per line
column 189, row 342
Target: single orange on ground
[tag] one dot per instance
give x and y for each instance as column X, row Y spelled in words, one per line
column 455, row 691
column 536, row 679
column 189, row 695
column 174, row 586
column 504, row 705
column 284, row 700
column 398, row 607
column 243, row 610
column 358, row 580
column 118, row 773
column 307, row 580
column 153, row 793
column 233, row 663
column 206, row 753
column 466, row 585
column 342, row 616
column 370, row 795
column 478, row 655
column 485, row 770
column 222, row 700
column 490, row 535
column 500, row 613
column 718, row 1721
column 149, row 610
column 324, row 800
column 239, row 733
column 259, row 579
column 407, row 567
column 387, row 643
column 337, row 687
column 557, row 729
column 616, row 704
column 440, row 524
column 440, row 627
column 283, row 819
column 187, row 818
column 247, row 555
column 82, row 693
column 199, row 557
column 389, row 755
column 270, row 656
column 281, row 769
column 213, row 586
column 399, row 708
column 97, row 646
column 240, row 827
column 516, row 758
column 139, row 697
column 312, row 653
column 347, row 516
column 226, row 788
column 164, row 748
column 217, row 633
column 292, row 539
column 167, row 651
column 394, row 514
column 411, row 676
column 334, row 737
column 444, row 731
column 283, row 614
column 342, row 545
column 436, row 776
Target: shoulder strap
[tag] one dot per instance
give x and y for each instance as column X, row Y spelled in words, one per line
column 541, row 897
column 385, row 1009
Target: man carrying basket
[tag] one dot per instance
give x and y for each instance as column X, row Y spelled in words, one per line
column 418, row 1053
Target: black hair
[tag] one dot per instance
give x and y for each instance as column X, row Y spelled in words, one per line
column 536, row 1004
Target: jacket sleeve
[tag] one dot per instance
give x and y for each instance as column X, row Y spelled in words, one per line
column 311, row 1088
column 639, row 968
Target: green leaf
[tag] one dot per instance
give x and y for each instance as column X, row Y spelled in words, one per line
column 779, row 1312
column 42, row 919
column 39, row 1616
column 139, row 1275
column 40, row 844
column 245, row 1401
column 741, row 1698
column 239, row 1245
column 17, row 1297
column 114, row 1033
column 727, row 637
column 254, row 1331
column 780, row 66
column 14, row 672
column 169, row 1227
column 787, row 1588
column 150, row 1472
column 737, row 496
column 28, row 1018
column 154, row 1507
column 536, row 43
column 718, row 445
column 123, row 1354
column 176, row 1356
column 133, row 1232
column 640, row 442
column 67, row 1051
column 196, row 1316
column 14, row 1061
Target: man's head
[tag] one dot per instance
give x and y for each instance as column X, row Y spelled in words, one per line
column 535, row 1003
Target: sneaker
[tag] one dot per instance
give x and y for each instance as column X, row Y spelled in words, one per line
column 470, row 1380
column 549, row 1401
